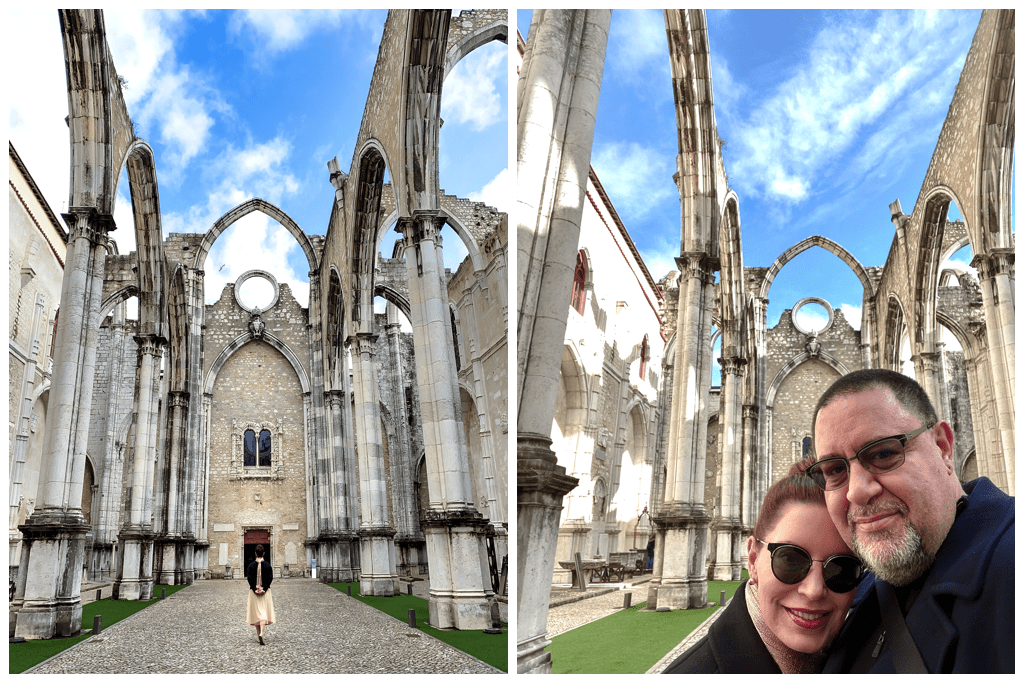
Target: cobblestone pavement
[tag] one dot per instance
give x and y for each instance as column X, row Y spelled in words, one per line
column 569, row 616
column 201, row 630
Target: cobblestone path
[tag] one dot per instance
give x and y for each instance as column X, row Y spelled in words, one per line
column 567, row 617
column 201, row 630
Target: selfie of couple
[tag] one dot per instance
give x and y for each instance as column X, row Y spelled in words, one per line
column 871, row 556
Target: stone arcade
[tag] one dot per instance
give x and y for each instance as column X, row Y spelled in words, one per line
column 718, row 450
column 174, row 443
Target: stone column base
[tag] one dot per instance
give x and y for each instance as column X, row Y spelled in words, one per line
column 458, row 565
column 680, row 580
column 377, row 553
column 541, row 484
column 134, row 576
column 49, row 585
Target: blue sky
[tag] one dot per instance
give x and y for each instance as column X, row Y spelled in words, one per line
column 241, row 104
column 827, row 116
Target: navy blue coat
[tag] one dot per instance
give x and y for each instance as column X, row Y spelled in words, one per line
column 962, row 621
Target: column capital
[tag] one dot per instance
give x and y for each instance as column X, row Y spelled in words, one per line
column 178, row 399
column 336, row 397
column 87, row 222
column 364, row 343
column 423, row 224
column 733, row 365
column 996, row 262
column 150, row 344
column 698, row 264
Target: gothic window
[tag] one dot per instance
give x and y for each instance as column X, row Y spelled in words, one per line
column 257, row 451
column 579, row 283
column 643, row 357
column 455, row 341
column 807, row 447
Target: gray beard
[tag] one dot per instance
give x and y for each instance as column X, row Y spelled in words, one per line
column 902, row 562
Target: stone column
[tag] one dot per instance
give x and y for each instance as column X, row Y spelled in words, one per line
column 996, row 276
column 680, row 579
column 406, row 517
column 48, row 599
column 453, row 528
column 557, row 96
column 376, row 536
column 727, row 566
column 926, row 368
column 340, row 487
column 751, row 464
column 136, row 537
column 171, row 544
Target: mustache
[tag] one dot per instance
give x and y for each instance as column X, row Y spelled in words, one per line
column 875, row 508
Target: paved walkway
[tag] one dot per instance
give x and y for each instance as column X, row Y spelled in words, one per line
column 201, row 630
column 607, row 599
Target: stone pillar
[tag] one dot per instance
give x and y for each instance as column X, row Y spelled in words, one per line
column 557, row 96
column 453, row 528
column 996, row 276
column 751, row 464
column 727, row 565
column 680, row 579
column 926, row 367
column 170, row 542
column 340, row 487
column 376, row 536
column 48, row 599
column 134, row 582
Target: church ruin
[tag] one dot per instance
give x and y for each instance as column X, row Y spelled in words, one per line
column 718, row 449
column 161, row 450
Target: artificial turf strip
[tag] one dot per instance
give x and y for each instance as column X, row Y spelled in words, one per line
column 630, row 641
column 490, row 648
column 25, row 655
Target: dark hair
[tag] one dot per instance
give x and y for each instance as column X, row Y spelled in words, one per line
column 259, row 550
column 908, row 393
column 795, row 487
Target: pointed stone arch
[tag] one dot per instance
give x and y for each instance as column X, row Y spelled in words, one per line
column 244, row 209
column 476, row 37
column 829, row 246
column 238, row 342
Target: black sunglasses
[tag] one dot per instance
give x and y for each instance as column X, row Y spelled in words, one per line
column 877, row 457
column 791, row 563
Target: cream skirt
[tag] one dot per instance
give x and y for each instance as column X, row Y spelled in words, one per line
column 260, row 609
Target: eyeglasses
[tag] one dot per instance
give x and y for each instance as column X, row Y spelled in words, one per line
column 877, row 457
column 791, row 563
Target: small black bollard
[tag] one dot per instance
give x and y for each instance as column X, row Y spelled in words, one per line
column 412, row 617
column 408, row 589
column 163, row 593
column 349, row 591
column 722, row 599
column 627, row 600
column 97, row 624
column 99, row 594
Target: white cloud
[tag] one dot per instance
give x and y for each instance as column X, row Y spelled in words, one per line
column 470, row 93
column 275, row 31
column 638, row 49
column 852, row 314
column 889, row 68
column 497, row 193
column 636, row 178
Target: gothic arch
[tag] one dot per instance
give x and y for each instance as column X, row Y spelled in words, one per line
column 120, row 296
column 895, row 324
column 335, row 329
column 152, row 265
column 996, row 137
column 453, row 222
column 238, row 342
column 369, row 182
column 478, row 37
column 829, row 246
column 178, row 331
column 392, row 295
column 731, row 290
column 574, row 381
column 955, row 247
column 243, row 209
column 929, row 258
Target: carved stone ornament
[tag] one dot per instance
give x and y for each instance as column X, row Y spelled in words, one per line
column 813, row 346
column 256, row 325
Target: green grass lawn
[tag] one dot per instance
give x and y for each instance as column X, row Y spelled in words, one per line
column 630, row 641
column 492, row 649
column 32, row 652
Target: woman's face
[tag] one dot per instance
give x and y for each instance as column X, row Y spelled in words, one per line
column 805, row 616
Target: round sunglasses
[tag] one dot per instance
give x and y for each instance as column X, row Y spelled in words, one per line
column 791, row 563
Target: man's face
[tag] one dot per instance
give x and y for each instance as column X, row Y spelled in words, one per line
column 896, row 521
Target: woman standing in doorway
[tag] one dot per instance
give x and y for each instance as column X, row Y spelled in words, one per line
column 260, row 609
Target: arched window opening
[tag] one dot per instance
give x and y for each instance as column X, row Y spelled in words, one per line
column 264, row 455
column 643, row 357
column 455, row 341
column 579, row 292
column 249, row 446
column 807, row 447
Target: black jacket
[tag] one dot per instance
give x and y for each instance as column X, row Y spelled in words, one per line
column 732, row 645
column 962, row 621
column 266, row 575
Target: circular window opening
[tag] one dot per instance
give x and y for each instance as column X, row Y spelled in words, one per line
column 256, row 289
column 812, row 315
